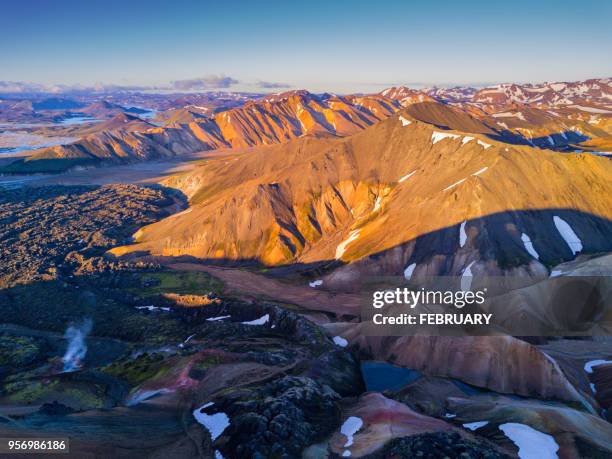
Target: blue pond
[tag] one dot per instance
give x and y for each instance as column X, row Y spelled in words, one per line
column 78, row 120
column 380, row 376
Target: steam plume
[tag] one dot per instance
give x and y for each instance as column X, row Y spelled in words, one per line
column 77, row 348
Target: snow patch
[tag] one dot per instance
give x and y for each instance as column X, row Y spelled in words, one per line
column 437, row 136
column 409, row 270
column 467, row 277
column 141, row 396
column 568, row 234
column 340, row 341
column 484, row 145
column 407, row 176
column 153, row 308
column 214, row 319
column 377, row 204
column 532, row 443
column 529, row 246
column 462, row 234
column 344, row 244
column 214, row 423
column 261, row 321
column 454, row 184
column 316, row 283
column 475, row 425
column 518, row 115
column 590, row 109
column 404, row 121
column 557, row 86
column 350, row 427
column 463, row 179
column 466, row 139
column 182, row 345
column 588, row 367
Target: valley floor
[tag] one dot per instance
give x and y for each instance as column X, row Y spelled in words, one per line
column 148, row 172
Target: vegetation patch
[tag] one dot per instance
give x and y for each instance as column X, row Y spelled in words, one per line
column 176, row 282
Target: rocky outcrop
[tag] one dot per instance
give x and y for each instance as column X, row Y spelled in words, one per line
column 44, row 228
column 439, row 444
column 280, row 419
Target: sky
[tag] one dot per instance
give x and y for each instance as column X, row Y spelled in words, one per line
column 269, row 46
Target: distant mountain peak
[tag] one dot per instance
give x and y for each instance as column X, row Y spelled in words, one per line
column 405, row 95
column 125, row 121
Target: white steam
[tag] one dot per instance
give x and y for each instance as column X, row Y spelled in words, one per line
column 77, row 348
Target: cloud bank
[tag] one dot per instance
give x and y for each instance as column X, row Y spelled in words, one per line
column 271, row 85
column 206, row 82
column 23, row 87
column 203, row 83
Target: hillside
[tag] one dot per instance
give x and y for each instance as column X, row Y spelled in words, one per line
column 558, row 116
column 401, row 193
column 272, row 120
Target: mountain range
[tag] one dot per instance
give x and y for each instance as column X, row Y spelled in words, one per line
column 560, row 116
column 400, row 193
column 211, row 306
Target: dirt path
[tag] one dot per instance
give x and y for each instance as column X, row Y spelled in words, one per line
column 259, row 285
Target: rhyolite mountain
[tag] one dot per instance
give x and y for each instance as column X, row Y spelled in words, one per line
column 591, row 92
column 274, row 119
column 400, row 196
column 559, row 116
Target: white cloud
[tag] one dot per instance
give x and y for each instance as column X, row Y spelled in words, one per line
column 271, row 85
column 206, row 82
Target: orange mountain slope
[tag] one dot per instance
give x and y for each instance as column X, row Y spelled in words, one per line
column 397, row 193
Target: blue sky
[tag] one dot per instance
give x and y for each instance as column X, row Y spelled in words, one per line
column 342, row 46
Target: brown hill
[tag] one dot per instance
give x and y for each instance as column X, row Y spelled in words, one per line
column 183, row 115
column 562, row 129
column 449, row 117
column 399, row 193
column 102, row 109
column 124, row 138
column 124, row 122
column 272, row 120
